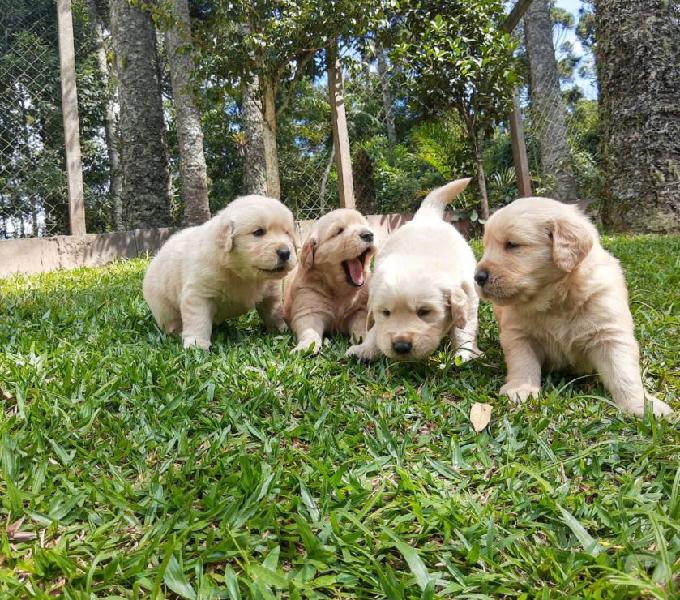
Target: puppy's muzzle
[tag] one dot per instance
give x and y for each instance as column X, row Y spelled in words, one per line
column 481, row 277
column 367, row 236
column 402, row 347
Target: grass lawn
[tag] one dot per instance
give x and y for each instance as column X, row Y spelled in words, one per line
column 138, row 469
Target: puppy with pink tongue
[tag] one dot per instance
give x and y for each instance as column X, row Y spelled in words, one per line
column 327, row 292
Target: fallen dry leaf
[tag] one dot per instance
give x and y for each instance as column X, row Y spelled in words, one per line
column 15, row 535
column 480, row 415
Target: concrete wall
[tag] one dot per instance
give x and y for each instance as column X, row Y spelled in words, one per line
column 39, row 255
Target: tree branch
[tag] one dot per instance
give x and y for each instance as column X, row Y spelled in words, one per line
column 515, row 15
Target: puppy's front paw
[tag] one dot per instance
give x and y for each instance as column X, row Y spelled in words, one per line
column 196, row 342
column 308, row 345
column 519, row 392
column 658, row 407
column 362, row 352
column 465, row 354
column 278, row 326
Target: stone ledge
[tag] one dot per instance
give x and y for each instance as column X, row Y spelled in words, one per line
column 40, row 255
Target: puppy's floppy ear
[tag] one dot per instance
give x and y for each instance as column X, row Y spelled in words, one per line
column 458, row 305
column 307, row 253
column 225, row 234
column 572, row 240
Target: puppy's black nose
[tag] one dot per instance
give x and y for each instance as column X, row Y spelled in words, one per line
column 284, row 254
column 366, row 235
column 481, row 277
column 402, row 347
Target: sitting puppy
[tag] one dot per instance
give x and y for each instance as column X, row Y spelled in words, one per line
column 327, row 291
column 422, row 288
column 560, row 301
column 222, row 269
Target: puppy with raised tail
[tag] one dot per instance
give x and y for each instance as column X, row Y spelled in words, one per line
column 222, row 269
column 560, row 300
column 423, row 288
column 327, row 292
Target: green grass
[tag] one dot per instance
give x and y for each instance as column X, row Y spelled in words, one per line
column 142, row 470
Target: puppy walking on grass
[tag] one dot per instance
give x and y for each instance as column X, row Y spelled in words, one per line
column 423, row 288
column 222, row 269
column 327, row 292
column 560, row 300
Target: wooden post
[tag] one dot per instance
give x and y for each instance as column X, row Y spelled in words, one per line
column 519, row 149
column 343, row 161
column 69, row 109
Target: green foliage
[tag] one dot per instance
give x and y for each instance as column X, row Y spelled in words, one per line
column 455, row 56
column 144, row 470
column 401, row 176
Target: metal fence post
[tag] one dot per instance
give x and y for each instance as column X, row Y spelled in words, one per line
column 69, row 108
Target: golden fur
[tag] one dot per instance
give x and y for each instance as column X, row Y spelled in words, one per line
column 222, row 269
column 321, row 296
column 422, row 288
column 560, row 300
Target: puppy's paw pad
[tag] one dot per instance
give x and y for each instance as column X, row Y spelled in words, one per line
column 195, row 342
column 519, row 393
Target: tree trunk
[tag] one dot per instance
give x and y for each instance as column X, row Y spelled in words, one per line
column 385, row 80
column 548, row 107
column 188, row 118
column 638, row 57
column 343, row 160
column 110, row 117
column 481, row 180
column 144, row 155
column 254, row 159
column 270, row 152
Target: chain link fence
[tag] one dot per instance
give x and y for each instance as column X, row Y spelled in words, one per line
column 32, row 183
column 33, row 192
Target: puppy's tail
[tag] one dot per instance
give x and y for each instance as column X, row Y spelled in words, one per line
column 435, row 202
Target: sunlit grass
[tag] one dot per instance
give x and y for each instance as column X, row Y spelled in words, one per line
column 140, row 469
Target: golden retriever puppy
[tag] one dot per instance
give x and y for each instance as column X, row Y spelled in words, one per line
column 328, row 289
column 222, row 269
column 423, row 288
column 560, row 300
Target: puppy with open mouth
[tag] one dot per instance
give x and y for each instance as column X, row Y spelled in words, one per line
column 423, row 288
column 327, row 292
column 560, row 300
column 222, row 269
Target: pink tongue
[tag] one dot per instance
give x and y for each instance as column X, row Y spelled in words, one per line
column 356, row 271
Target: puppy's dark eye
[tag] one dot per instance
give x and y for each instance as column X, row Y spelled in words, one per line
column 339, row 231
column 259, row 232
column 386, row 313
column 423, row 312
column 511, row 245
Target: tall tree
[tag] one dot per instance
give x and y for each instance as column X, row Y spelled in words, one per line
column 144, row 156
column 549, row 109
column 188, row 118
column 385, row 86
column 110, row 112
column 455, row 56
column 254, row 159
column 638, row 56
